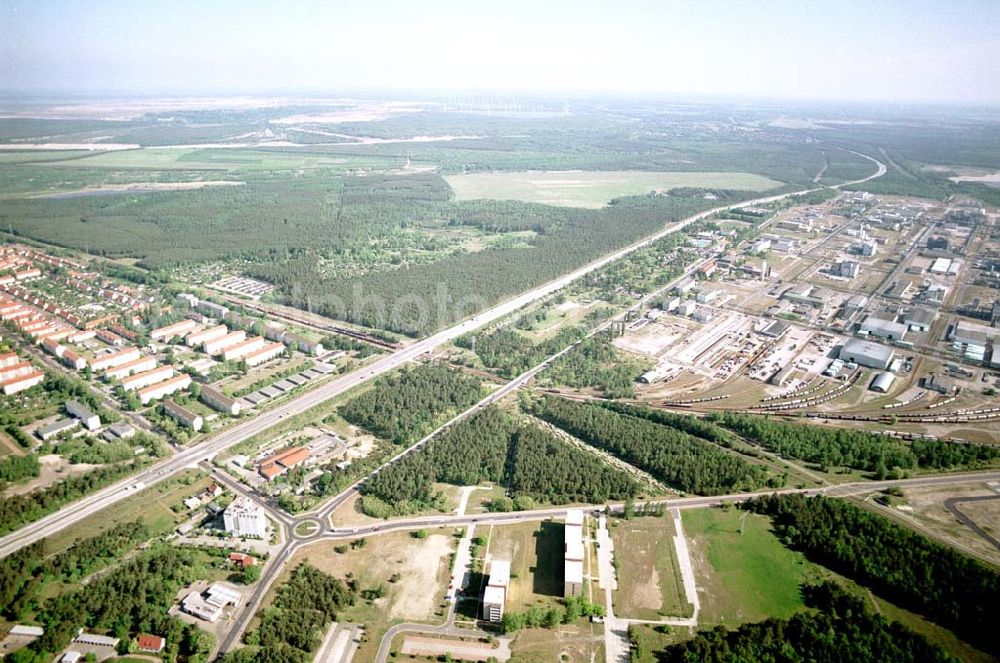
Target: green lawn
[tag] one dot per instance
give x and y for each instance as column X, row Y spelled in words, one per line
column 743, row 572
column 570, row 188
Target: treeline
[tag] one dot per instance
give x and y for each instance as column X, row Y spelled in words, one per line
column 403, row 406
column 291, row 629
column 26, row 571
column 573, row 608
column 596, row 363
column 16, row 510
column 906, row 568
column 856, row 449
column 133, row 598
column 840, row 629
column 676, row 458
column 490, row 446
column 509, row 354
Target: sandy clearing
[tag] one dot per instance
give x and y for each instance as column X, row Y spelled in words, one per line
column 54, row 468
column 94, row 147
column 140, row 187
column 420, row 575
column 991, row 178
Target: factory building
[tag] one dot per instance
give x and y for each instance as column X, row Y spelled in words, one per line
column 866, row 353
column 887, row 329
column 90, row 420
column 920, row 318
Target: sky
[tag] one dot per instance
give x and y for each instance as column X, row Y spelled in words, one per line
column 938, row 51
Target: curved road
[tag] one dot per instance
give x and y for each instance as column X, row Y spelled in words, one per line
column 84, row 507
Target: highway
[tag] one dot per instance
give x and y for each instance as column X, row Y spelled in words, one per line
column 84, row 507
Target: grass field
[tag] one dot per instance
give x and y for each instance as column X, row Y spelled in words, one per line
column 151, row 505
column 649, row 583
column 744, row 573
column 535, row 551
column 593, row 189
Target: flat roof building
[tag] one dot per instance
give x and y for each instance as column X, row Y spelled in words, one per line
column 884, row 328
column 89, row 420
column 866, row 353
column 495, row 594
column 573, row 553
column 57, row 427
column 245, row 518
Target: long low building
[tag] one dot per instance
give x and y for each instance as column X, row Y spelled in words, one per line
column 146, row 378
column 128, row 368
column 112, row 359
column 243, row 348
column 217, row 345
column 17, row 370
column 170, row 331
column 264, row 354
column 164, row 388
column 196, row 338
column 183, row 416
column 22, row 382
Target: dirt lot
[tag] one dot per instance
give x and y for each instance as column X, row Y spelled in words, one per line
column 647, row 583
column 926, row 506
column 421, row 564
column 54, row 468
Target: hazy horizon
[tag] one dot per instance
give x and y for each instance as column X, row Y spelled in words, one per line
column 873, row 52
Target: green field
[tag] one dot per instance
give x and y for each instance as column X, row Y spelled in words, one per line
column 744, row 573
column 593, row 189
column 536, row 563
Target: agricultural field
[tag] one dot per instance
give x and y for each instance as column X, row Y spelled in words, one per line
column 593, row 189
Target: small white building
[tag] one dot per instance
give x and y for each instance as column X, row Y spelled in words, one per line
column 495, row 594
column 90, row 420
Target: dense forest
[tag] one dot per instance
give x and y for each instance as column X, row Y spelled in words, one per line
column 840, row 628
column 25, row 572
column 489, row 446
column 906, row 568
column 547, row 469
column 829, row 447
column 403, row 406
column 291, row 629
column 678, row 459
